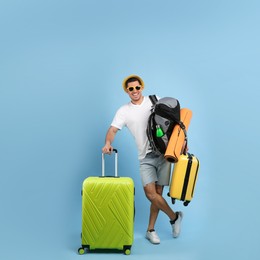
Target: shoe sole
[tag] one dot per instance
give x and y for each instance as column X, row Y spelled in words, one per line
column 154, row 243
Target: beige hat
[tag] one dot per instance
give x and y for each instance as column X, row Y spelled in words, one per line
column 131, row 76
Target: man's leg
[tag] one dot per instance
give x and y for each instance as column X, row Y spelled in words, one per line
column 154, row 193
column 154, row 211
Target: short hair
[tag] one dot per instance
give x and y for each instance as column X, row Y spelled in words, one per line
column 132, row 79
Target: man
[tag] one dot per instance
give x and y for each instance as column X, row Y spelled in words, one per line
column 154, row 169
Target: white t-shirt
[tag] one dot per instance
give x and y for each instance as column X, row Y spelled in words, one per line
column 135, row 118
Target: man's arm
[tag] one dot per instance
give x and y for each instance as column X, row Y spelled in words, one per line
column 109, row 139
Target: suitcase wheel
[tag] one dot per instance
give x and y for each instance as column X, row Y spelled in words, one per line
column 81, row 251
column 127, row 250
column 186, row 203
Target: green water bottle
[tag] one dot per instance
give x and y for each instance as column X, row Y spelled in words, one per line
column 159, row 131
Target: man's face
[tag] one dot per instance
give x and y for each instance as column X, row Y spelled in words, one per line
column 134, row 90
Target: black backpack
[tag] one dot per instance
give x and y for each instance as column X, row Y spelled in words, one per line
column 165, row 114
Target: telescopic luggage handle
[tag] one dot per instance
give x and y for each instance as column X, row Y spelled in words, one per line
column 116, row 163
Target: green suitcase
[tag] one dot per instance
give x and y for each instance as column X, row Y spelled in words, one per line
column 107, row 212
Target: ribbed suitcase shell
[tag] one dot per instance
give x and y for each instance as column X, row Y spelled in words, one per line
column 184, row 178
column 107, row 212
column 175, row 144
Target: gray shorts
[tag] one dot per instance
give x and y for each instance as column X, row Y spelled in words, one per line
column 155, row 169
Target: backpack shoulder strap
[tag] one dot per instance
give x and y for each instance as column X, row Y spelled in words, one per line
column 153, row 99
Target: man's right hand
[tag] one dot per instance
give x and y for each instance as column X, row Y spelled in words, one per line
column 107, row 149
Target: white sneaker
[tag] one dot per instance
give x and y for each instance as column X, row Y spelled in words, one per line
column 153, row 237
column 176, row 227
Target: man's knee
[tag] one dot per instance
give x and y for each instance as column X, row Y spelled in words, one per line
column 151, row 196
column 152, row 191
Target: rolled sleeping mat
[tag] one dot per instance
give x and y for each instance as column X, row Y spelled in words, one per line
column 176, row 142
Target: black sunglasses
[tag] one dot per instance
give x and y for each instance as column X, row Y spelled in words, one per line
column 132, row 88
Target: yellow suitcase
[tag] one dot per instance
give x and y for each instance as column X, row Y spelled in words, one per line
column 107, row 212
column 184, row 177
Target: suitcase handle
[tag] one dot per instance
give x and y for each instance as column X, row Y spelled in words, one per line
column 116, row 163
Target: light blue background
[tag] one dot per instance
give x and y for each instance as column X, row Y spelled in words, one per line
column 61, row 68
